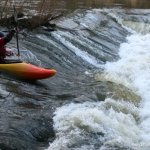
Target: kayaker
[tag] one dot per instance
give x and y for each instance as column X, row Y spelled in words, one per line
column 4, row 39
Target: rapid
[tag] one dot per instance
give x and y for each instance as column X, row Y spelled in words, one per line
column 113, row 122
column 98, row 100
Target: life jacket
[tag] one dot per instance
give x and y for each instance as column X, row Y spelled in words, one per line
column 2, row 49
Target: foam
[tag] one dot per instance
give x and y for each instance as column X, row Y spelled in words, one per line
column 133, row 70
column 74, row 122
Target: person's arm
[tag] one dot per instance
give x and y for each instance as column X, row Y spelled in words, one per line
column 9, row 36
column 2, row 42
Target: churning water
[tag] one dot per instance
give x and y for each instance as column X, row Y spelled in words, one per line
column 115, row 123
column 98, row 100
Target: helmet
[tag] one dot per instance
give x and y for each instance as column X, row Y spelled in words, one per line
column 1, row 34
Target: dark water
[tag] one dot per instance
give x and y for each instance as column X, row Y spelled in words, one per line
column 84, row 41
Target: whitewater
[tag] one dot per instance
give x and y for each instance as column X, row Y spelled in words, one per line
column 112, row 123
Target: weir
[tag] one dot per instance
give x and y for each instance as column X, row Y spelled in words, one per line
column 99, row 97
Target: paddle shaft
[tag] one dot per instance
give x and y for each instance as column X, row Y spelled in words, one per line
column 16, row 26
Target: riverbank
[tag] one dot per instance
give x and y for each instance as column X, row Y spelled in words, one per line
column 40, row 12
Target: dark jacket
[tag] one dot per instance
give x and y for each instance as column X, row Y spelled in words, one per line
column 3, row 41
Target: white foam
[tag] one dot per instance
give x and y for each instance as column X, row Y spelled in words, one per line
column 74, row 121
column 133, row 70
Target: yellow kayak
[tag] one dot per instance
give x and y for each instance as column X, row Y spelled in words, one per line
column 26, row 71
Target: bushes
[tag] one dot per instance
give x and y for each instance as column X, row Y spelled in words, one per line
column 32, row 13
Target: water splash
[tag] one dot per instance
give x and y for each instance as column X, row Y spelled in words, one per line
column 132, row 70
column 78, row 122
column 114, row 124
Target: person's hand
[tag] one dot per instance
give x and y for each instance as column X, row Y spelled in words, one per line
column 17, row 29
column 9, row 53
column 13, row 31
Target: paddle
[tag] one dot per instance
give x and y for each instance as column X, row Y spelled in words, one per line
column 16, row 26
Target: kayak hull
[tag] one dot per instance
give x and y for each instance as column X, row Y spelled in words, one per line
column 27, row 71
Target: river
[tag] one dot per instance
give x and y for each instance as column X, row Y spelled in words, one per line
column 99, row 99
